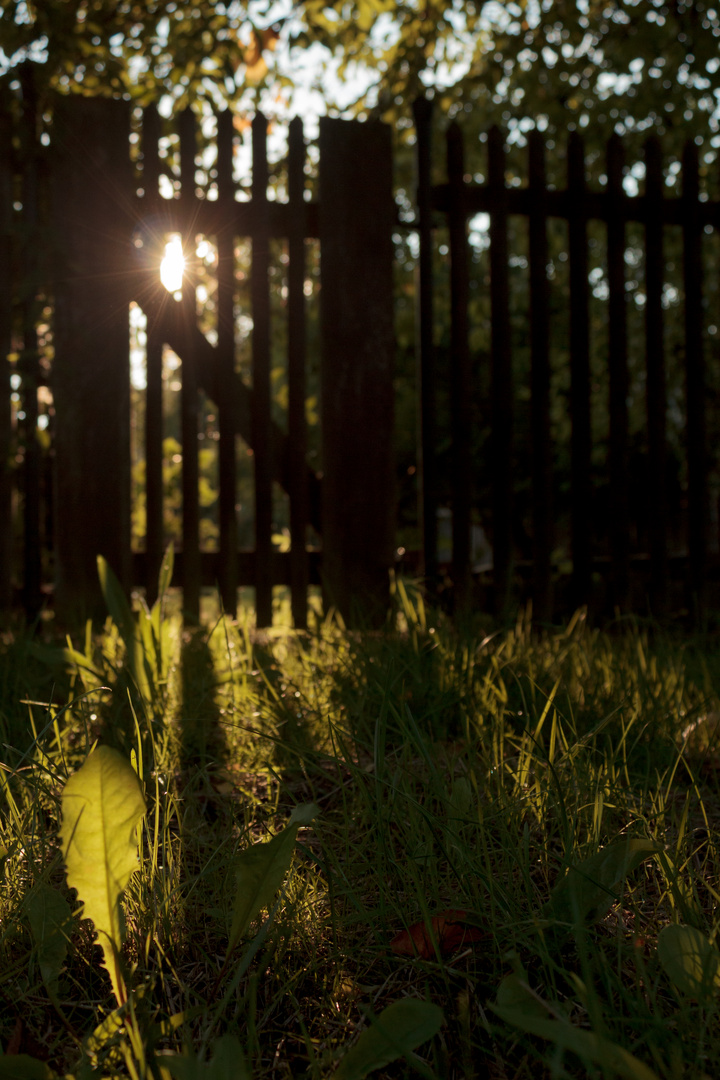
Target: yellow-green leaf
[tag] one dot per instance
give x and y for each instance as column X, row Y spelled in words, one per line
column 102, row 804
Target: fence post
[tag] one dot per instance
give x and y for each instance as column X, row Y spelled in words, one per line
column 92, row 187
column 356, row 221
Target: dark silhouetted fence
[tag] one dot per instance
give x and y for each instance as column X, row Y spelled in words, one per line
column 79, row 242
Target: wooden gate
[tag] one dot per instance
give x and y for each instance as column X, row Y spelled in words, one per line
column 107, row 226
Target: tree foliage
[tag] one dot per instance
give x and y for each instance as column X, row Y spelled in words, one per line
column 597, row 64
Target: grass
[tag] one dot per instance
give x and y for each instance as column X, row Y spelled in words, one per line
column 452, row 770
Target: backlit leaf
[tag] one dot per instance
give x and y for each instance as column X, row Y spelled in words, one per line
column 690, row 961
column 102, row 804
column 260, row 872
column 518, row 1006
column 396, row 1032
column 591, row 887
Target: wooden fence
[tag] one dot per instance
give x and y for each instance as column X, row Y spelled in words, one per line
column 453, row 203
column 81, row 234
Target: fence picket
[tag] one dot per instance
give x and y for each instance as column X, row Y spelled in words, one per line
column 694, row 386
column 579, row 372
column 619, row 526
column 460, row 377
column 425, row 363
column 502, row 380
column 226, row 366
column 189, row 406
column 29, row 358
column 260, row 302
column 153, row 302
column 655, row 362
column 540, row 381
column 297, row 489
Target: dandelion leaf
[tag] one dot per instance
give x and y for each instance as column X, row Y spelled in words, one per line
column 102, row 804
column 50, row 921
column 590, row 888
column 260, row 871
column 395, row 1033
column 227, row 1063
column 691, row 962
column 519, row 1007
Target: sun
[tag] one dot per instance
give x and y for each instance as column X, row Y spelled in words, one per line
column 172, row 266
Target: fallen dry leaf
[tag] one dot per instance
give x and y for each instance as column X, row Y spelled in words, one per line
column 451, row 930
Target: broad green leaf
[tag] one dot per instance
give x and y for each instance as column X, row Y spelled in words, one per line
column 102, row 804
column 50, row 921
column 590, row 888
column 396, row 1032
column 227, row 1063
column 261, row 870
column 519, row 1007
column 691, row 962
column 24, row 1067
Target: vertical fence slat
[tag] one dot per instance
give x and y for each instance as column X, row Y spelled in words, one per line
column 29, row 359
column 460, row 377
column 655, row 387
column 298, row 489
column 260, row 302
column 581, row 488
column 502, row 381
column 154, row 346
column 619, row 525
column 425, row 363
column 540, row 381
column 189, row 394
column 694, row 385
column 226, row 367
column 6, row 200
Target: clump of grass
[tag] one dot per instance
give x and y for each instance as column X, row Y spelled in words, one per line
column 471, row 771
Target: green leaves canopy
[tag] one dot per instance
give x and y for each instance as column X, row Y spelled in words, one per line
column 642, row 64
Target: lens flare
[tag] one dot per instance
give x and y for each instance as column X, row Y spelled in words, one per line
column 172, row 266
